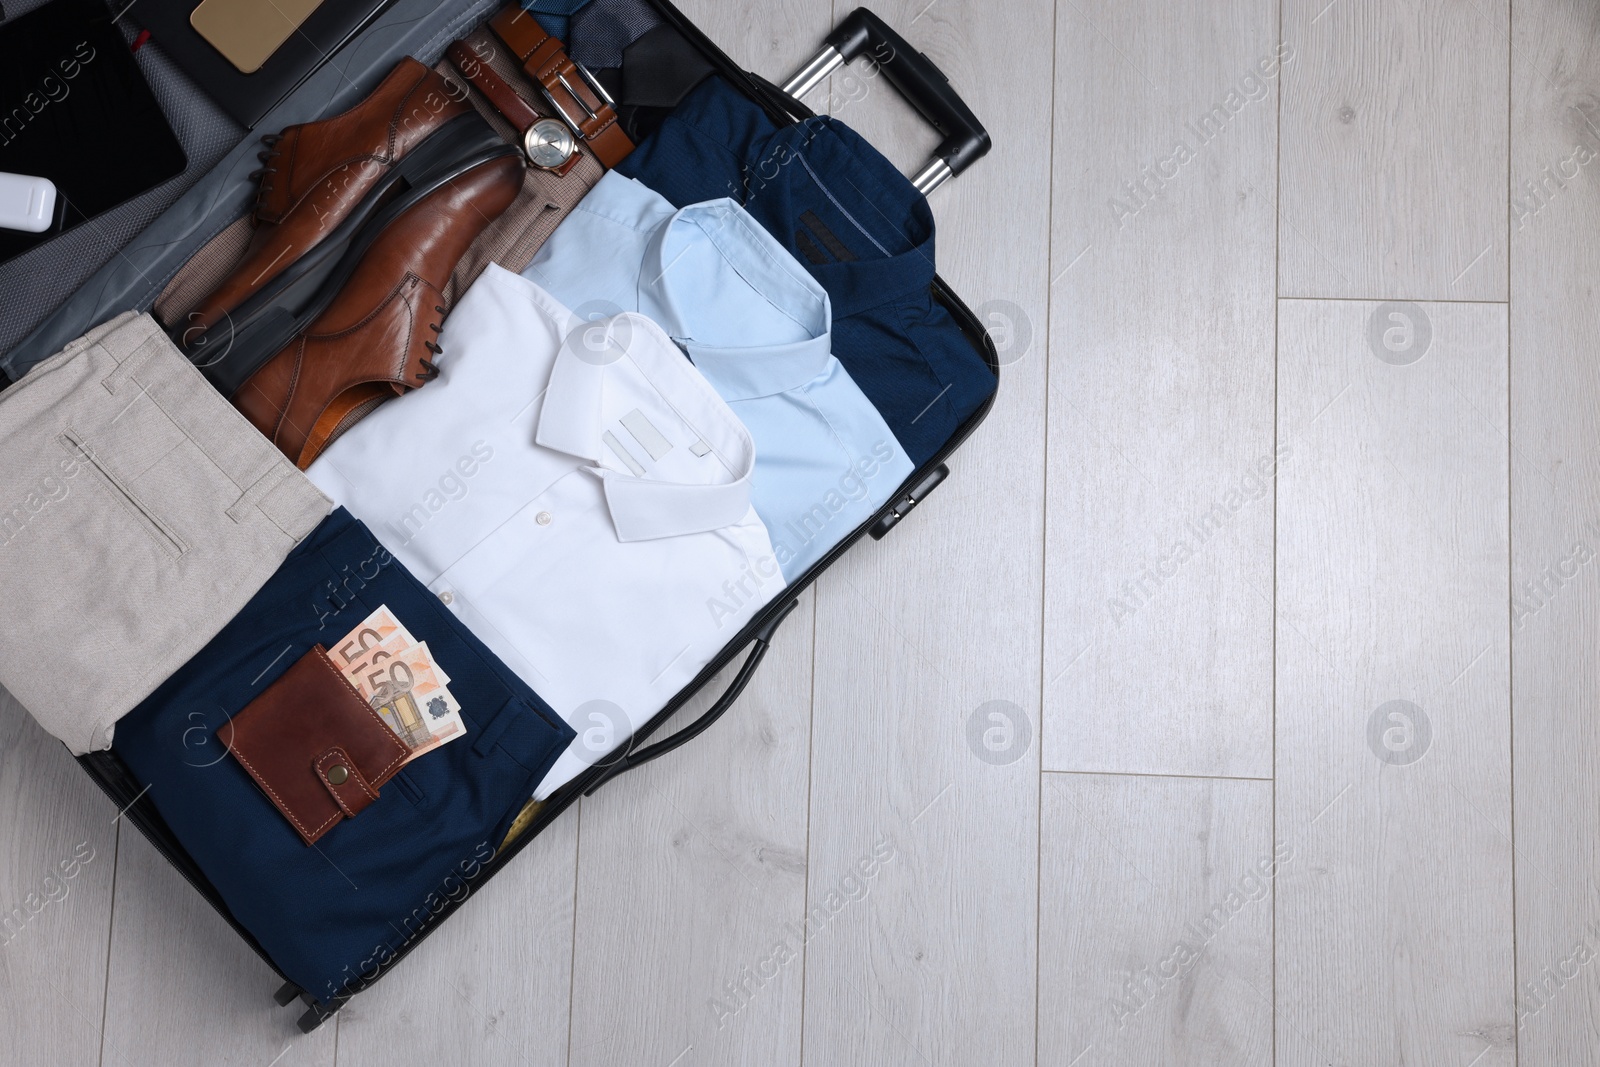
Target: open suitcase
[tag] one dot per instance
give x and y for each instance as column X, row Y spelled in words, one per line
column 964, row 142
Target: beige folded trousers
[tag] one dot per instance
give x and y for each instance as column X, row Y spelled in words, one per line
column 139, row 512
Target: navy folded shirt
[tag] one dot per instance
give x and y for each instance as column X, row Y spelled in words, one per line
column 857, row 224
column 346, row 906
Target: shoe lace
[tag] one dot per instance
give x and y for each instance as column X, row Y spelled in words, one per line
column 430, row 369
column 266, row 171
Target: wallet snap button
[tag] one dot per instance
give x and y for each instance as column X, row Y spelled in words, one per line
column 338, row 774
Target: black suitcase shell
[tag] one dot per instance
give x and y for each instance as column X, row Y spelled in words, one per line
column 965, row 141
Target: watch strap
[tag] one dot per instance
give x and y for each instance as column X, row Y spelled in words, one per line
column 506, row 100
column 567, row 87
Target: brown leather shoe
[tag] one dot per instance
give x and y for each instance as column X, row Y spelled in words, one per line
column 325, row 178
column 374, row 340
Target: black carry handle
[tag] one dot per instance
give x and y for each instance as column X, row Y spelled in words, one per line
column 917, row 78
column 763, row 639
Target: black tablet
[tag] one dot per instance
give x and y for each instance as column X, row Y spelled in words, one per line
column 74, row 108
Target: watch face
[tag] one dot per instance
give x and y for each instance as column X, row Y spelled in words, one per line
column 549, row 143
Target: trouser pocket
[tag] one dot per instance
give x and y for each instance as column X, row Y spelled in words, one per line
column 160, row 532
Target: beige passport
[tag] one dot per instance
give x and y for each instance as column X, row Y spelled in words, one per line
column 247, row 32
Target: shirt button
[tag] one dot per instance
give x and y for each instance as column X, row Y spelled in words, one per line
column 446, row 597
column 544, row 518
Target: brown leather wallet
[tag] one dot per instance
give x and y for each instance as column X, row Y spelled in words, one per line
column 570, row 89
column 317, row 750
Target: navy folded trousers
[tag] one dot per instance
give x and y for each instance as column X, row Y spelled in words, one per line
column 329, row 912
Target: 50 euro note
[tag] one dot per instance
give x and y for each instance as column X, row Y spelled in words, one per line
column 416, row 726
column 409, row 696
column 397, row 675
column 376, row 630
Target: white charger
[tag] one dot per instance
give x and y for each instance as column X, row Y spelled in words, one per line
column 26, row 203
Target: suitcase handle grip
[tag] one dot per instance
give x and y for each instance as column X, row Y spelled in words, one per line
column 917, row 78
column 644, row 755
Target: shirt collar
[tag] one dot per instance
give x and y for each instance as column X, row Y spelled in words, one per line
column 571, row 421
column 669, row 296
column 823, row 166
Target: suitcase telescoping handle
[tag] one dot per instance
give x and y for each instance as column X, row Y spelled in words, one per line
column 917, row 78
column 763, row 640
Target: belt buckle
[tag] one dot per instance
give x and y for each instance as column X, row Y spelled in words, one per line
column 594, row 86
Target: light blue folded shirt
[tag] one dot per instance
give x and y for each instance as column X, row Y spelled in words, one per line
column 758, row 326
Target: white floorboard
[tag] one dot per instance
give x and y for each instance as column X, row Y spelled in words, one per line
column 58, row 858
column 1392, row 571
column 1555, row 529
column 1394, row 149
column 1155, row 921
column 1158, row 619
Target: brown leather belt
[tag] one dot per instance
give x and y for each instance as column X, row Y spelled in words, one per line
column 570, row 90
column 506, row 100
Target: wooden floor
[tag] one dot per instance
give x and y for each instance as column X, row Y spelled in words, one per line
column 1236, row 702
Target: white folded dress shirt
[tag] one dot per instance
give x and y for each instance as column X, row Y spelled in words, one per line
column 759, row 327
column 578, row 495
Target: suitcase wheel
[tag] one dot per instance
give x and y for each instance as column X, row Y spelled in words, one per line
column 311, row 1020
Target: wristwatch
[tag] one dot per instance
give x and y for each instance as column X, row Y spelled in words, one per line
column 569, row 89
column 547, row 142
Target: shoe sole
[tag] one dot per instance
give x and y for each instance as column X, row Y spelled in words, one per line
column 259, row 328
